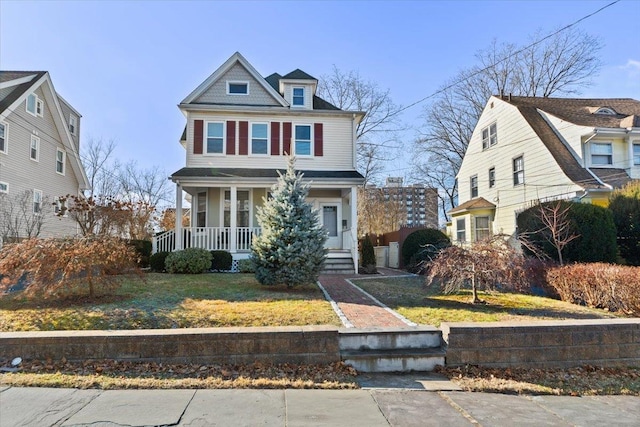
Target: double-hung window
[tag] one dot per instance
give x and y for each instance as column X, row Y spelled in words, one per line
column 461, row 232
column 37, row 201
column 636, row 154
column 259, row 138
column 489, row 136
column 4, row 187
column 518, row 170
column 215, row 137
column 492, row 177
column 34, row 151
column 474, row 186
column 303, row 140
column 298, row 97
column 201, row 213
column 72, row 125
column 601, row 154
column 35, row 106
column 482, row 228
column 60, row 158
column 3, row 138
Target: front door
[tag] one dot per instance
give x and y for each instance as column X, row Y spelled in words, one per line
column 330, row 216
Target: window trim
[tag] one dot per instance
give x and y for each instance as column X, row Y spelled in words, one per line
column 294, row 142
column 62, row 161
column 73, row 124
column 33, row 96
column 37, row 192
column 35, row 139
column 293, row 96
column 591, row 154
column 205, row 148
column 633, row 152
column 6, row 189
column 474, row 189
column 516, row 173
column 238, row 82
column 463, row 229
column 4, row 149
column 488, row 229
column 491, row 139
column 492, row 176
column 266, row 139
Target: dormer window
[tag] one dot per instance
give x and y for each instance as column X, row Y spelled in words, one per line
column 237, row 88
column 298, row 97
column 606, row 111
column 72, row 125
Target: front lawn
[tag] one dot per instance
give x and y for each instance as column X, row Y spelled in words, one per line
column 174, row 301
column 409, row 297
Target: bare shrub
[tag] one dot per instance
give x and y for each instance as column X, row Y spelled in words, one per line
column 68, row 267
column 599, row 285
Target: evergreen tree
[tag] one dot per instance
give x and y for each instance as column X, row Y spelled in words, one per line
column 290, row 249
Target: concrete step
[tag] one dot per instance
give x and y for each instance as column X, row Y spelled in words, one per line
column 399, row 360
column 338, row 266
column 392, row 350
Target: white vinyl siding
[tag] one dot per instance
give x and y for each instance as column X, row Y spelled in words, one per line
column 3, row 138
column 601, row 154
column 60, row 161
column 34, row 148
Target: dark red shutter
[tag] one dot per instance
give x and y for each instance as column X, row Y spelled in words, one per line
column 231, row 137
column 275, row 138
column 286, row 138
column 243, row 138
column 198, row 133
column 317, row 139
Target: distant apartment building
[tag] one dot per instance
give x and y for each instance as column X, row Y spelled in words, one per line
column 418, row 203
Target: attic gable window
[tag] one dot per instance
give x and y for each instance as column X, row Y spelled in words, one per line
column 3, row 138
column 237, row 88
column 489, row 136
column 298, row 97
column 35, row 106
column 606, row 111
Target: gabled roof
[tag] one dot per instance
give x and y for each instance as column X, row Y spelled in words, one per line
column 298, row 74
column 23, row 84
column 583, row 112
column 235, row 58
column 13, row 84
column 474, row 204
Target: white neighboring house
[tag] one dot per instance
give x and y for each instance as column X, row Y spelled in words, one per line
column 240, row 128
column 39, row 149
column 524, row 150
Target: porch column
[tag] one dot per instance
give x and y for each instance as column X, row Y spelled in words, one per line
column 178, row 228
column 233, row 220
column 354, row 226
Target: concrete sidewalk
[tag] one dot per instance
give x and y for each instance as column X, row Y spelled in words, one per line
column 367, row 407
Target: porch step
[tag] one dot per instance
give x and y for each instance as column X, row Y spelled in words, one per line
column 338, row 266
column 392, row 350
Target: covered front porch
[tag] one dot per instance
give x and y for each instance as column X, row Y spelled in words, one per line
column 223, row 217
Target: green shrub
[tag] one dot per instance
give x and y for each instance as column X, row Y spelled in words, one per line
column 368, row 255
column 612, row 287
column 188, row 261
column 421, row 243
column 246, row 266
column 593, row 224
column 143, row 250
column 157, row 260
column 625, row 207
column 221, row 261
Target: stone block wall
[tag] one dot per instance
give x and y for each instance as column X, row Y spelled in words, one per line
column 300, row 345
column 564, row 343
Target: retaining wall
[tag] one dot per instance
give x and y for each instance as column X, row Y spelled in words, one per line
column 566, row 343
column 300, row 345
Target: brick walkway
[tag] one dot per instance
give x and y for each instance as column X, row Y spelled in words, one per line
column 359, row 309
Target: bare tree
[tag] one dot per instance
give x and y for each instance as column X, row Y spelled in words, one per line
column 556, row 228
column 559, row 65
column 378, row 213
column 100, row 166
column 377, row 132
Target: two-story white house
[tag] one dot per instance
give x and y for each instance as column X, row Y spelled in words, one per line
column 524, row 150
column 39, row 152
column 240, row 129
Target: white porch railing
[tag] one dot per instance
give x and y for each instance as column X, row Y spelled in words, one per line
column 209, row 238
column 349, row 242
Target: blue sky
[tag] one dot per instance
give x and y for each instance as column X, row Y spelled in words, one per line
column 125, row 65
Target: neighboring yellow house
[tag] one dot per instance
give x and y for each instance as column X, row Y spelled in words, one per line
column 526, row 150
